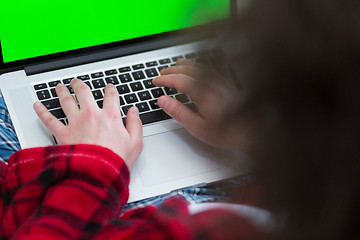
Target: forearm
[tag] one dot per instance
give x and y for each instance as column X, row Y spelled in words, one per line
column 62, row 191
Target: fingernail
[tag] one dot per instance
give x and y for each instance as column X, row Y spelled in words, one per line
column 156, row 82
column 134, row 110
column 37, row 104
column 109, row 85
column 163, row 102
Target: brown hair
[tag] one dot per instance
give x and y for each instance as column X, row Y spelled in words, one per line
column 299, row 61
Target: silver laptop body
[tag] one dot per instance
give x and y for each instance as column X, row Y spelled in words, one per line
column 171, row 158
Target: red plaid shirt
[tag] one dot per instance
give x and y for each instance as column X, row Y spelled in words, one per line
column 78, row 191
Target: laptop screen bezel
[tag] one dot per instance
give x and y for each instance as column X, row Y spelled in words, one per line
column 20, row 64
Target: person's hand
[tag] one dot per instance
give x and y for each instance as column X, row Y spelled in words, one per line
column 217, row 99
column 88, row 124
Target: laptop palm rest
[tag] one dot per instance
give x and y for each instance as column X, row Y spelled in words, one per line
column 172, row 156
column 175, row 159
column 31, row 132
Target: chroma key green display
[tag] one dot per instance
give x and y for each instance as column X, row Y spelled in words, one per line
column 36, row 28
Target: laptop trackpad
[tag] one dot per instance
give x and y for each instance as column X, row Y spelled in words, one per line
column 174, row 155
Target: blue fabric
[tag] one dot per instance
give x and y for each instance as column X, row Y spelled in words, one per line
column 9, row 142
column 216, row 192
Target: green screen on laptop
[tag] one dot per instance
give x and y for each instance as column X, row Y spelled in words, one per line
column 41, row 27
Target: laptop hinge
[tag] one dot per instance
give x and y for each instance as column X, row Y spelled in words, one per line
column 112, row 53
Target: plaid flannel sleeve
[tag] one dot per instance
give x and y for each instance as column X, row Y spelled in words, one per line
column 61, row 192
column 78, row 192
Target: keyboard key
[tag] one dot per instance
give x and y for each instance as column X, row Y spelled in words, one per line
column 176, row 58
column 121, row 101
column 145, row 95
column 43, row 94
column 170, row 91
column 151, row 64
column 182, row 98
column 63, row 121
column 100, row 103
column 84, row 77
column 88, row 83
column 58, row 113
column 151, row 72
column 190, row 55
column 51, row 104
column 138, row 75
column 53, row 92
column 157, row 92
column 162, row 67
column 143, row 107
column 126, row 109
column 55, row 141
column 98, row 83
column 154, row 116
column 97, row 75
column 124, row 78
column 164, row 61
column 136, row 86
column 124, row 69
column 131, row 98
column 67, row 80
column 113, row 80
column 154, row 104
column 54, row 83
column 148, row 83
column 138, row 66
column 123, row 89
column 40, row 86
column 192, row 106
column 70, row 89
column 110, row 72
column 97, row 94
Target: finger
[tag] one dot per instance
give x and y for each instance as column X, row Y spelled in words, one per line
column 181, row 113
column 134, row 125
column 181, row 82
column 111, row 99
column 182, row 61
column 67, row 101
column 195, row 70
column 190, row 70
column 83, row 94
column 49, row 120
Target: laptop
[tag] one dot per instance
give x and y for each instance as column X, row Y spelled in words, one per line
column 125, row 43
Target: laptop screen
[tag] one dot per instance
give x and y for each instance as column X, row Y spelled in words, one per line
column 37, row 28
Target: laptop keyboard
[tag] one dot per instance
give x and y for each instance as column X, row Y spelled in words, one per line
column 133, row 83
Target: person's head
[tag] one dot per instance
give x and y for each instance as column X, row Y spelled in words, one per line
column 299, row 61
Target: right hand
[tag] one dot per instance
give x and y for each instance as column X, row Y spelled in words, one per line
column 217, row 99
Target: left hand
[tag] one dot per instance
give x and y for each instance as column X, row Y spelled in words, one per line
column 88, row 124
